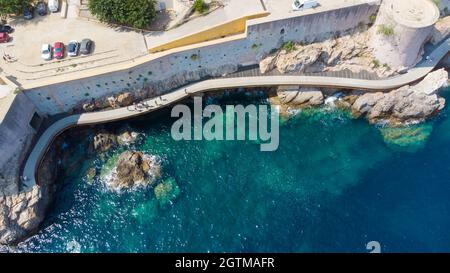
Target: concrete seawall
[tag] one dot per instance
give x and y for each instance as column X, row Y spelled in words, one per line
column 182, row 65
column 16, row 133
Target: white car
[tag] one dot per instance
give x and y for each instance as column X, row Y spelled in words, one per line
column 304, row 4
column 53, row 5
column 73, row 48
column 46, row 52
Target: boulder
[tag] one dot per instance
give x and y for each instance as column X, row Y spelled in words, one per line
column 267, row 64
column 125, row 136
column 103, row 141
column 89, row 107
column 408, row 104
column 304, row 96
column 125, row 99
column 135, row 169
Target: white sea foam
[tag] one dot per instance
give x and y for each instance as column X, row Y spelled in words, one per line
column 73, row 246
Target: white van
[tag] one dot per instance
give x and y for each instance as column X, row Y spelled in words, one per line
column 53, row 5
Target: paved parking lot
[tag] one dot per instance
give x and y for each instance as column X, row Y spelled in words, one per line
column 112, row 45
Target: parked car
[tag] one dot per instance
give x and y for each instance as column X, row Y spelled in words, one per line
column 46, row 52
column 86, row 46
column 6, row 29
column 28, row 13
column 4, row 37
column 304, row 4
column 41, row 8
column 72, row 48
column 58, row 50
column 53, row 5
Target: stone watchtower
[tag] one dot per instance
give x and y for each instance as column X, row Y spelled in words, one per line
column 401, row 29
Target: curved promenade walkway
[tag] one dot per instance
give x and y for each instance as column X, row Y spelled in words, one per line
column 42, row 145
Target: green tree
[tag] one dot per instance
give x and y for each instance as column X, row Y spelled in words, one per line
column 9, row 7
column 133, row 13
column 200, row 6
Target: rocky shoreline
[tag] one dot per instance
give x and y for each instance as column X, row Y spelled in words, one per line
column 410, row 104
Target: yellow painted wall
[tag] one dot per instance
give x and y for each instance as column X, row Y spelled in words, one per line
column 232, row 27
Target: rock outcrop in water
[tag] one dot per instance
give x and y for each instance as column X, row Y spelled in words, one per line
column 295, row 97
column 134, row 169
column 408, row 104
column 126, row 136
column 103, row 141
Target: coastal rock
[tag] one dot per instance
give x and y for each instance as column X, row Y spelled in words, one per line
column 90, row 174
column 103, row 141
column 290, row 98
column 125, row 99
column 135, row 169
column 410, row 137
column 366, row 102
column 22, row 213
column 125, row 136
column 267, row 64
column 347, row 52
column 408, row 104
column 299, row 59
column 432, row 82
column 89, row 107
column 295, row 96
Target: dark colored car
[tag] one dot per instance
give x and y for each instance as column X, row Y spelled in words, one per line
column 58, row 50
column 41, row 8
column 28, row 13
column 6, row 29
column 86, row 46
column 72, row 48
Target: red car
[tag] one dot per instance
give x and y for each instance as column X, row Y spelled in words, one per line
column 58, row 50
column 4, row 37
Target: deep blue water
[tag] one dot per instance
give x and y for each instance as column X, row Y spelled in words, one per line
column 333, row 185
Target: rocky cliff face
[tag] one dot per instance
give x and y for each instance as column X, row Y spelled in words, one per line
column 350, row 51
column 22, row 213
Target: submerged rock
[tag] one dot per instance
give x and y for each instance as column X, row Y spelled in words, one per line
column 408, row 104
column 134, row 169
column 167, row 191
column 90, row 174
column 407, row 136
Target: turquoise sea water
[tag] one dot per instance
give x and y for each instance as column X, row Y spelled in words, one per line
column 333, row 185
